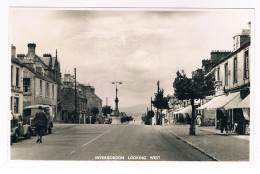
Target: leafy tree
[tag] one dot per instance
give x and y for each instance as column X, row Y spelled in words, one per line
column 148, row 117
column 160, row 102
column 193, row 88
column 94, row 111
column 126, row 118
column 150, row 114
column 106, row 110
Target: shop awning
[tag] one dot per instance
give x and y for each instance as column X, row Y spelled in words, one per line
column 226, row 102
column 176, row 111
column 245, row 103
column 211, row 101
column 186, row 110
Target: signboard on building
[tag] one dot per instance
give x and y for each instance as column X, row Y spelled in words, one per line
column 219, row 89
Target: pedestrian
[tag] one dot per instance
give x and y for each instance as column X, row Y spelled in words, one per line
column 223, row 123
column 199, row 120
column 40, row 123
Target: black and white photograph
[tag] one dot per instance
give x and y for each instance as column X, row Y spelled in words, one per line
column 131, row 84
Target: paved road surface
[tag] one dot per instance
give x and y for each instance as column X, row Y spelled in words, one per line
column 123, row 142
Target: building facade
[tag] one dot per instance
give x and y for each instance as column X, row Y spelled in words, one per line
column 232, row 86
column 86, row 99
column 41, row 79
column 16, row 99
column 38, row 89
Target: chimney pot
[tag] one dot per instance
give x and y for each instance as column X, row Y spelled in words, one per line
column 31, row 50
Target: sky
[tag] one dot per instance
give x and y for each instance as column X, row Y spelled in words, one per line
column 137, row 47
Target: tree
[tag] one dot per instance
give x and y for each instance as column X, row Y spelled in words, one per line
column 94, row 111
column 160, row 102
column 106, row 110
column 149, row 116
column 193, row 88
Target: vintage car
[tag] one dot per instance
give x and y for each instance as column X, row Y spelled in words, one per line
column 29, row 114
column 19, row 128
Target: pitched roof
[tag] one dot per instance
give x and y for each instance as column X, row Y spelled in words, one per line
column 46, row 60
column 15, row 60
column 39, row 75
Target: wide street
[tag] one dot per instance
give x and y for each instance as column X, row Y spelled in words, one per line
column 107, row 142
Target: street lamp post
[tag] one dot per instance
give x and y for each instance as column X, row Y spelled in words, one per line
column 116, row 112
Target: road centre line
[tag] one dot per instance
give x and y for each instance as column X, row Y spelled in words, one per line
column 98, row 136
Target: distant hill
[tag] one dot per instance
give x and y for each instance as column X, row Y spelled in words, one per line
column 135, row 110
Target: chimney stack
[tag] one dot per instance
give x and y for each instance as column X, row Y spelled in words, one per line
column 31, row 50
column 13, row 52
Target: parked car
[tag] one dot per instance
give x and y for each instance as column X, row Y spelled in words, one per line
column 29, row 114
column 19, row 128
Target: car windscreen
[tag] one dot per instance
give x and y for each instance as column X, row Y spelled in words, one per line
column 30, row 112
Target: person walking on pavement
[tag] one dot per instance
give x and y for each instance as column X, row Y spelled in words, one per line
column 199, row 120
column 40, row 123
column 223, row 123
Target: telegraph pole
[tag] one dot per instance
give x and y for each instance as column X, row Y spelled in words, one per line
column 75, row 77
column 151, row 103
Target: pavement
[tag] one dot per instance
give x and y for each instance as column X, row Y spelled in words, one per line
column 210, row 141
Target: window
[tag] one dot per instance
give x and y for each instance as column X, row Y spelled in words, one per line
column 40, row 87
column 11, row 104
column 26, row 84
column 218, row 71
column 17, row 77
column 11, row 75
column 235, row 70
column 47, row 90
column 226, row 74
column 52, row 91
column 246, row 65
column 16, row 105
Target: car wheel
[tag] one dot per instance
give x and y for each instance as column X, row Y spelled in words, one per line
column 28, row 135
column 15, row 137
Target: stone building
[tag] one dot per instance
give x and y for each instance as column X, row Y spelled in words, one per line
column 46, row 68
column 232, row 85
column 68, row 104
column 16, row 99
column 215, row 56
column 86, row 100
column 38, row 88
